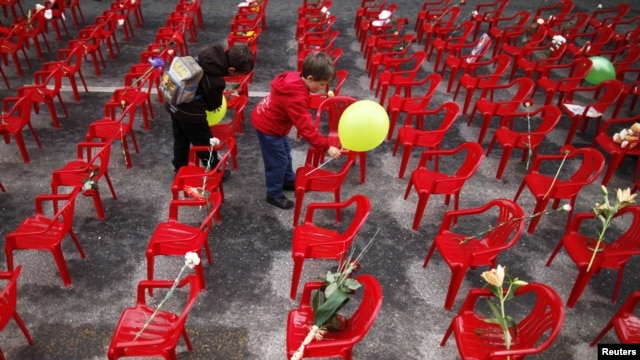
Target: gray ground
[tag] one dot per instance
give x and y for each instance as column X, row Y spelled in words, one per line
column 242, row 314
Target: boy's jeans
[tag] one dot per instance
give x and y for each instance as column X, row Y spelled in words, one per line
column 278, row 168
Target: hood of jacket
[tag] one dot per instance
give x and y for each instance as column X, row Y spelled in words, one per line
column 213, row 60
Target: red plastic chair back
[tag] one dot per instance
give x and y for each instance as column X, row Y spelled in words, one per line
column 615, row 254
column 508, row 220
column 427, row 181
column 162, row 335
column 8, row 301
column 440, row 120
column 15, row 116
column 340, row 343
column 477, row 338
column 624, row 321
column 616, row 152
column 567, row 187
column 317, row 240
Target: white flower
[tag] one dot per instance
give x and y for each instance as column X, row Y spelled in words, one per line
column 48, row 14
column 599, row 6
column 324, row 10
column 120, row 22
column 566, row 207
column 474, row 13
column 214, row 141
column 330, row 93
column 191, row 259
column 540, row 21
column 558, row 39
column 494, row 277
column 88, row 185
column 384, row 15
column 39, row 7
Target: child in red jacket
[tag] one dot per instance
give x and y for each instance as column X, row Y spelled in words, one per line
column 285, row 107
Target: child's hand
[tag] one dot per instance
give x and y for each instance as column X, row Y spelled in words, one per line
column 334, row 152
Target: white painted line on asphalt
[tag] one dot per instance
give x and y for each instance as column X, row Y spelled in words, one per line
column 111, row 89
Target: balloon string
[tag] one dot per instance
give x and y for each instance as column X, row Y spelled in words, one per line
column 320, row 166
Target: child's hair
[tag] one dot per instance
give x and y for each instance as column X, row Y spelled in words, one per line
column 319, row 65
column 240, row 58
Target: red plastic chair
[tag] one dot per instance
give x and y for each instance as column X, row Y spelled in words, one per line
column 624, row 321
column 335, row 54
column 70, row 62
column 169, row 36
column 15, row 116
column 536, row 332
column 488, row 13
column 311, row 178
column 602, row 16
column 604, row 95
column 162, row 335
column 426, row 181
column 116, row 125
column 334, row 344
column 567, row 186
column 368, row 10
column 45, row 232
column 481, row 251
column 192, row 179
column 532, row 65
column 4, row 76
column 92, row 159
column 629, row 31
column 315, row 24
column 335, row 86
column 90, row 44
column 472, row 79
column 440, row 120
column 518, row 48
column 57, row 8
column 514, row 26
column 194, row 6
column 568, row 26
column 433, row 22
column 8, row 301
column 176, row 238
column 429, row 10
column 449, row 40
column 631, row 88
column 411, row 105
column 589, row 44
column 185, row 20
column 615, row 255
column 458, row 61
column 370, row 27
column 47, row 87
column 330, row 111
column 76, row 12
column 566, row 77
column 516, row 133
column 13, row 42
column 137, row 90
column 555, row 12
column 616, row 153
column 518, row 90
column 398, row 71
column 35, row 30
column 396, row 52
column 11, row 5
column 384, row 45
column 316, row 240
column 230, row 128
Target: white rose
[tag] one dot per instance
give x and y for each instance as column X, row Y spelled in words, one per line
column 191, row 259
column 384, row 14
column 214, row 141
column 540, row 21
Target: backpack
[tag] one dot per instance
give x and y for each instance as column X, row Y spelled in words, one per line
column 180, row 82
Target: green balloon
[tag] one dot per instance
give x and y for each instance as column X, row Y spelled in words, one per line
column 601, row 70
column 363, row 126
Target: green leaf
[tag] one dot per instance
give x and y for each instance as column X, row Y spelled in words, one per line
column 331, row 277
column 495, row 311
column 352, row 284
column 331, row 288
column 512, row 323
column 330, row 307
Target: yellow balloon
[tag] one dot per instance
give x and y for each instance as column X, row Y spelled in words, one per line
column 215, row 116
column 363, row 126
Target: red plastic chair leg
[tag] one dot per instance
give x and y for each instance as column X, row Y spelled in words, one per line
column 298, row 263
column 578, row 286
column 457, row 275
